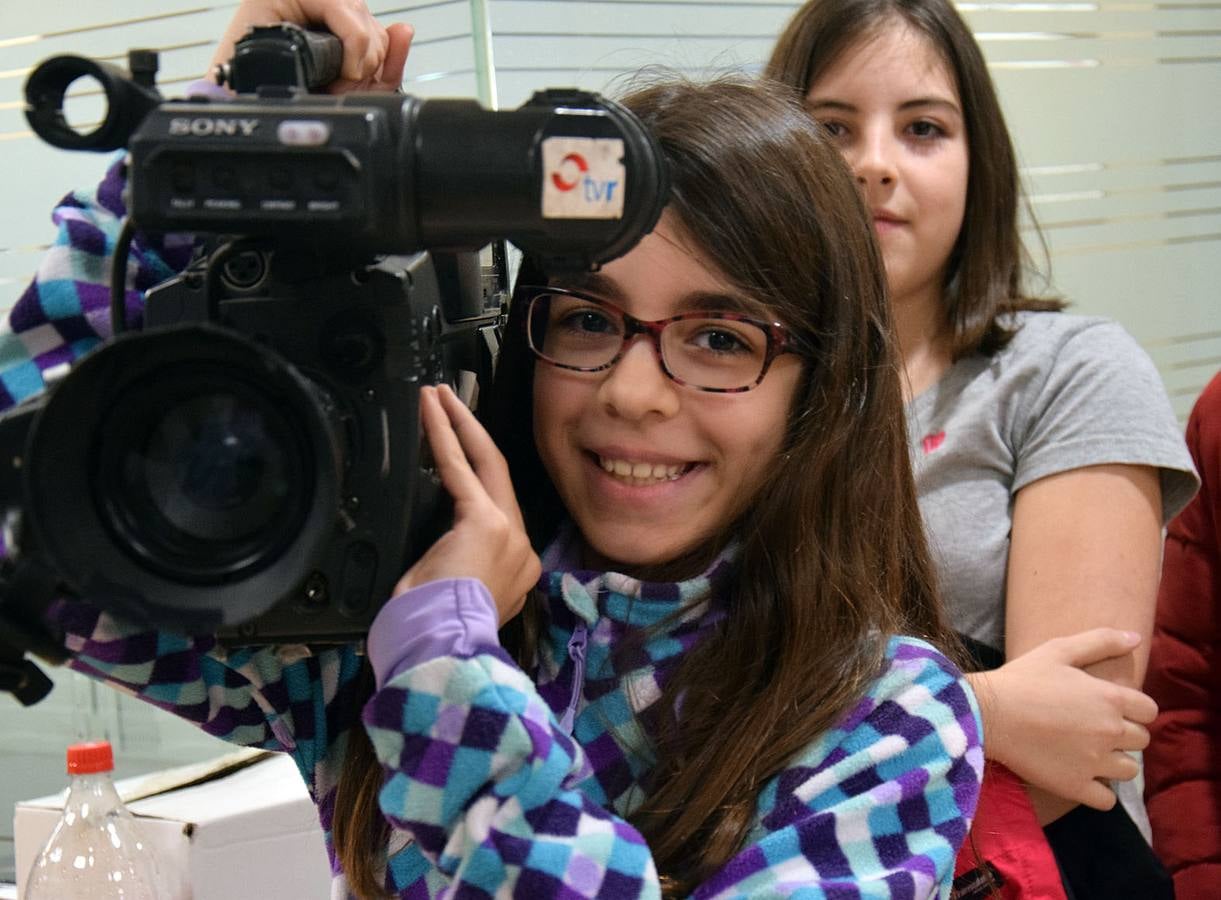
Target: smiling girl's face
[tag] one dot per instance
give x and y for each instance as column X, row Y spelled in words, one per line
column 649, row 469
column 891, row 105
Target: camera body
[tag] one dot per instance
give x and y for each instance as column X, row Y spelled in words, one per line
column 249, row 463
column 385, row 173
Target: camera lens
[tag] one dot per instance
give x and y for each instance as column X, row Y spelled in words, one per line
column 215, row 468
column 185, row 477
column 204, row 476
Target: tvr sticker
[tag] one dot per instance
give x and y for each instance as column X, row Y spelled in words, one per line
column 583, row 178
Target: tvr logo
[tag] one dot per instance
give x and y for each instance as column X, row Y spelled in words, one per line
column 573, row 172
column 583, row 177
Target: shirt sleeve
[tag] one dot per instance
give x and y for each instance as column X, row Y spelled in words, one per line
column 275, row 697
column 65, row 311
column 488, row 785
column 1100, row 401
column 448, row 617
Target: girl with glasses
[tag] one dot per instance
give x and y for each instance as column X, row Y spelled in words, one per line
column 1046, row 455
column 681, row 638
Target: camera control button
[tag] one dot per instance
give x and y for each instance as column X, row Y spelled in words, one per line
column 303, row 132
column 226, row 178
column 182, row 178
column 359, row 574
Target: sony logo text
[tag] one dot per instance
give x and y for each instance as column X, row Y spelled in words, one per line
column 207, row 127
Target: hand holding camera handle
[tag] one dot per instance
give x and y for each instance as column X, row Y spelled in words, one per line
column 283, row 55
column 372, row 56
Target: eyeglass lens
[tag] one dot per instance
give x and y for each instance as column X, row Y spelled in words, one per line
column 708, row 352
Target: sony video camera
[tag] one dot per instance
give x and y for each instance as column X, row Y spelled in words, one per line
column 249, row 463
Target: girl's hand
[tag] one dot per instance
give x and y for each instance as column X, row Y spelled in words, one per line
column 373, row 56
column 1060, row 728
column 488, row 538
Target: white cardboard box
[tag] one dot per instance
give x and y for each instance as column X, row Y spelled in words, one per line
column 242, row 826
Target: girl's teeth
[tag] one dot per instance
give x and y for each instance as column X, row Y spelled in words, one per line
column 641, row 471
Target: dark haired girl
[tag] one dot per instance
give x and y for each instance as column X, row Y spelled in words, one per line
column 1046, row 455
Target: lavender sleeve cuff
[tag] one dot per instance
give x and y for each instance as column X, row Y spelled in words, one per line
column 206, row 87
column 451, row 617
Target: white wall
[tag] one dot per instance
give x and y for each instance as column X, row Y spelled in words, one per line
column 1114, row 107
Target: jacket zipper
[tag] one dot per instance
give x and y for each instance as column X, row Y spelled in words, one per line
column 576, row 652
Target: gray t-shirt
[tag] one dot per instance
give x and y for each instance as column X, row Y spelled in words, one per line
column 1068, row 391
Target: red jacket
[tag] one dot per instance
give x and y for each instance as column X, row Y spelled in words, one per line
column 1183, row 762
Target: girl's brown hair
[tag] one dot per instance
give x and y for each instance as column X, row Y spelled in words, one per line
column 832, row 559
column 986, row 276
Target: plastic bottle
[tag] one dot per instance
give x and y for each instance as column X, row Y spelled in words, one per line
column 95, row 851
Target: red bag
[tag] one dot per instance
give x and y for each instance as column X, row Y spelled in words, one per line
column 1006, row 855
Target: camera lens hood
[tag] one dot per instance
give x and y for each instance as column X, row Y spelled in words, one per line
column 196, row 477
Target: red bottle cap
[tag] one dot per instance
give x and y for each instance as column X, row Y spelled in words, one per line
column 93, row 756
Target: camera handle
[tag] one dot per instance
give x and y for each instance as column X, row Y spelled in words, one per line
column 27, row 587
column 282, row 56
column 26, row 590
column 18, row 676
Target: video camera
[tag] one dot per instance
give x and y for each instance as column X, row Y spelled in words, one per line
column 249, row 462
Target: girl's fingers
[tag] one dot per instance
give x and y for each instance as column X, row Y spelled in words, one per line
column 485, row 540
column 1097, row 795
column 1096, row 645
column 481, row 451
column 391, row 76
column 453, row 466
column 1135, row 737
column 363, row 39
column 1139, row 707
column 1119, row 766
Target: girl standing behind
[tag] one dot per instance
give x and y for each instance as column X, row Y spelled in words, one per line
column 720, row 683
column 1046, row 455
